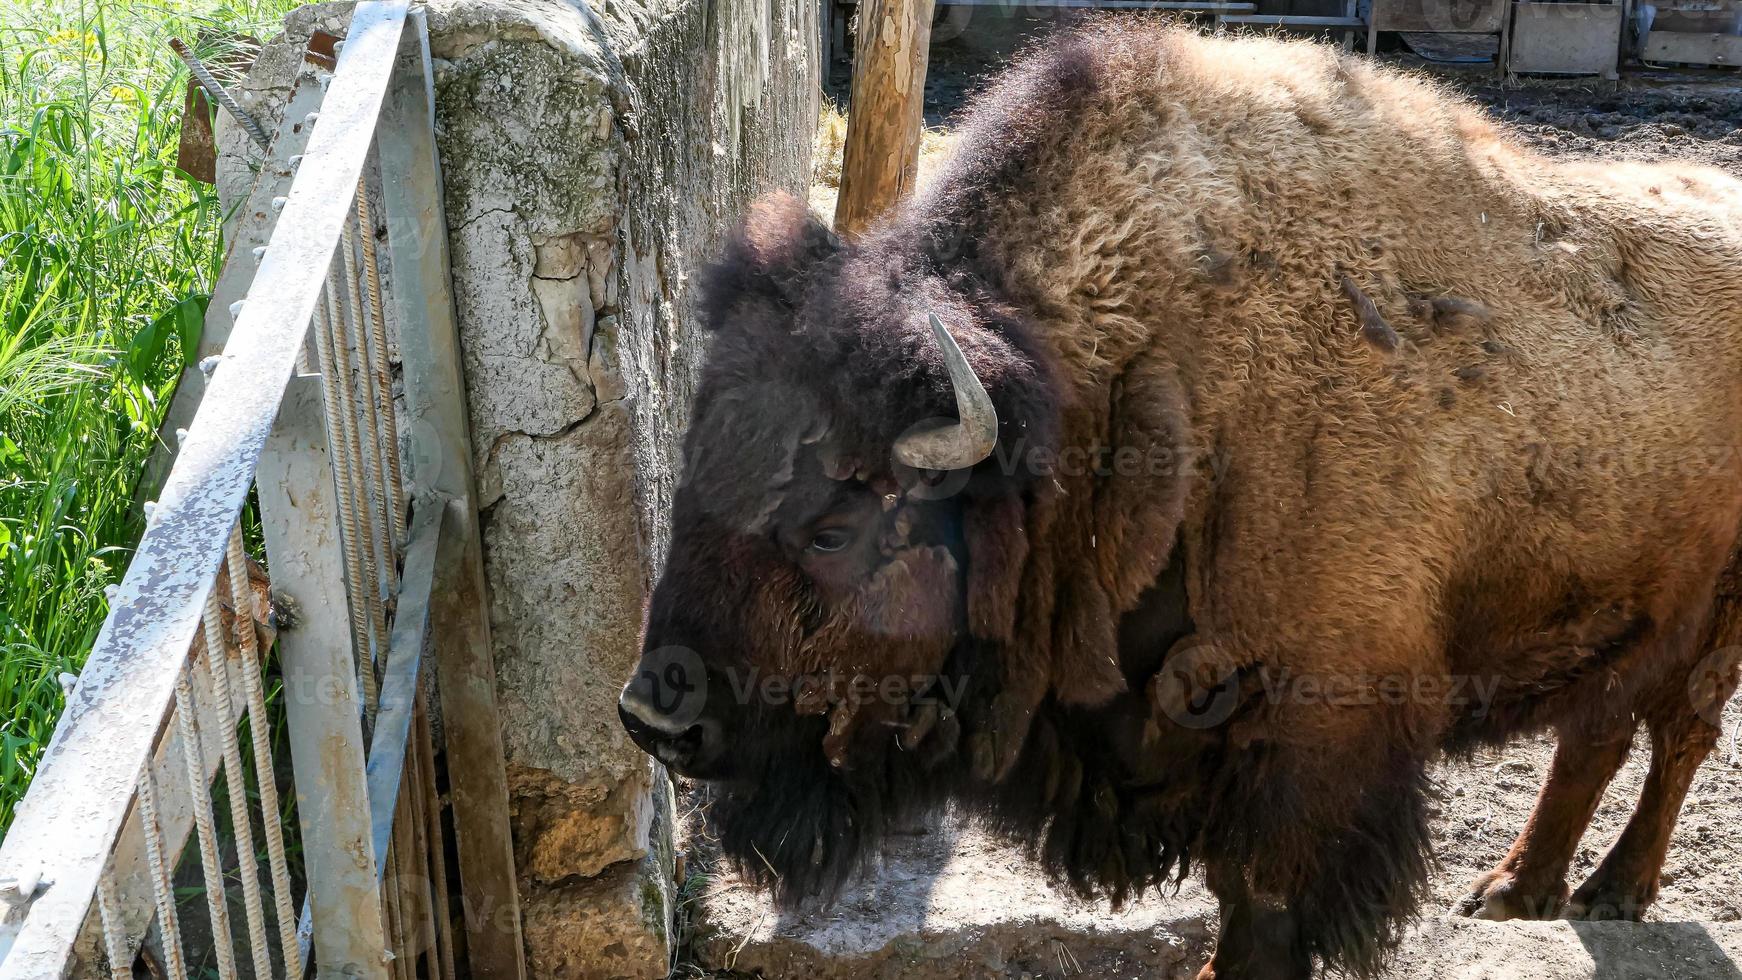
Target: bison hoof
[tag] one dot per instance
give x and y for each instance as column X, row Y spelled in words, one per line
column 1600, row 899
column 1498, row 896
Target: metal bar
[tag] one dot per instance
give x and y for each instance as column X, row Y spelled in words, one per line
column 248, row 229
column 391, row 750
column 378, row 541
column 247, row 612
column 298, row 515
column 359, row 481
column 378, row 363
column 369, row 410
column 67, row 824
column 395, row 769
column 223, row 945
column 204, row 77
column 425, row 742
column 114, row 934
column 435, row 392
column 236, row 784
column 343, row 463
column 411, row 908
column 129, row 862
column 162, row 888
column 422, row 875
column 1188, row 6
column 395, row 920
column 305, row 936
column 400, row 685
column 393, row 893
column 1294, row 20
column 413, row 875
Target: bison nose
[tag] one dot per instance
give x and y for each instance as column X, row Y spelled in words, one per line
column 661, row 709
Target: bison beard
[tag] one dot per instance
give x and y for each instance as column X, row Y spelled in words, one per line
column 1407, row 404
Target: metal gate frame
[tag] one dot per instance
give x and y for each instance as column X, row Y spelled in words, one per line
column 373, row 593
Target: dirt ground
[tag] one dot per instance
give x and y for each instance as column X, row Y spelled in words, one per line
column 1482, row 801
column 1653, row 118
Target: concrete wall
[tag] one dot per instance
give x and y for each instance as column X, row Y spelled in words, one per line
column 593, row 159
column 593, row 156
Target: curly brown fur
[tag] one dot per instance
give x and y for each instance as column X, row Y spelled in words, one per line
column 1410, row 408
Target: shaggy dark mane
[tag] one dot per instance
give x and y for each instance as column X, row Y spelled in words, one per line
column 1003, row 131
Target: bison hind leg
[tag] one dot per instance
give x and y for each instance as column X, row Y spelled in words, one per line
column 1684, row 720
column 1530, row 881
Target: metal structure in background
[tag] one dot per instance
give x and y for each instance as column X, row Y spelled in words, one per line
column 1533, row 37
column 161, row 780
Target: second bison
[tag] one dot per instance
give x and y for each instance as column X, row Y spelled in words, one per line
column 1230, row 428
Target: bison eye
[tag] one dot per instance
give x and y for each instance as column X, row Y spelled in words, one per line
column 831, row 539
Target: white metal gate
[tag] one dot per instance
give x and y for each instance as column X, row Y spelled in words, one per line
column 375, row 570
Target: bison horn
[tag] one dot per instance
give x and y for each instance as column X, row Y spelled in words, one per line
column 953, row 445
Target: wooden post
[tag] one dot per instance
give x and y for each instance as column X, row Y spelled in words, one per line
column 887, row 113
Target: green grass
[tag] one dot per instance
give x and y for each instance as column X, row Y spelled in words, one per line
column 107, row 253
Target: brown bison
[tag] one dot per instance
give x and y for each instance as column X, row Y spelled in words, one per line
column 1230, row 428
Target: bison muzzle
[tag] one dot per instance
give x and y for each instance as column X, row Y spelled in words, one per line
column 1229, row 428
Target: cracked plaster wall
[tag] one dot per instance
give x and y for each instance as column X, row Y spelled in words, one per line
column 594, row 156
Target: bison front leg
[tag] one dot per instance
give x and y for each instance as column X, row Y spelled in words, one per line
column 1314, row 834
column 1260, row 935
column 1316, row 856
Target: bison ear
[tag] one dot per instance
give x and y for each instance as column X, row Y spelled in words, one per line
column 773, row 253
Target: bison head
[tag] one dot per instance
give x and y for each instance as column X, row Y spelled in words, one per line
column 846, row 544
